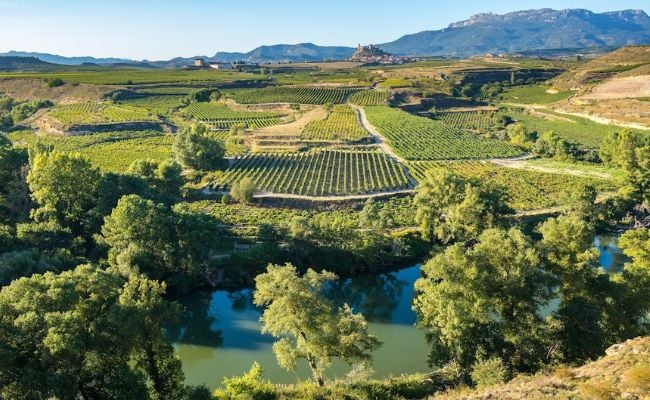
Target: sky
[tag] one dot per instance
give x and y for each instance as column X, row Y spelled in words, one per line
column 163, row 29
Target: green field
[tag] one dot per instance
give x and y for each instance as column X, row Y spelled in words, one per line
column 101, row 76
column 529, row 189
column 481, row 121
column 573, row 129
column 292, row 94
column 99, row 113
column 532, row 94
column 340, row 125
column 370, row 98
column 159, row 105
column 113, row 151
column 319, row 172
column 219, row 116
column 418, row 138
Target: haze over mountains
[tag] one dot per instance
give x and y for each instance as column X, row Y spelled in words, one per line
column 542, row 29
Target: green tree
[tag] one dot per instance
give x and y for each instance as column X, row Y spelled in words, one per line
column 520, row 136
column 85, row 334
column 308, row 325
column 141, row 237
column 243, row 191
column 195, row 148
column 482, row 301
column 163, row 177
column 65, row 187
column 171, row 245
column 14, row 192
column 452, row 208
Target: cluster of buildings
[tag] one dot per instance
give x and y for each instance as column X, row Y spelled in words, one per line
column 372, row 54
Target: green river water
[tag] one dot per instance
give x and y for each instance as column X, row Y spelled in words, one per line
column 219, row 335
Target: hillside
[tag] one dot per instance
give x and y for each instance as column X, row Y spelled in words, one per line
column 623, row 373
column 625, row 62
column 528, row 30
column 24, row 64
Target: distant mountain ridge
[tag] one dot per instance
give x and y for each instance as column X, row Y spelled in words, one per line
column 519, row 31
column 62, row 60
column 542, row 29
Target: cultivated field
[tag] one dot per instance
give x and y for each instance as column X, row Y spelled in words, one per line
column 418, row 138
column 319, row 172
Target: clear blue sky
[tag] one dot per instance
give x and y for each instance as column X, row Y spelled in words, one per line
column 161, row 29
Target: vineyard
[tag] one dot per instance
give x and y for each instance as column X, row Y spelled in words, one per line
column 470, row 120
column 160, row 105
column 573, row 129
column 319, row 172
column 97, row 113
column 113, row 151
column 293, row 94
column 418, row 138
column 218, row 116
column 529, row 189
column 370, row 98
column 340, row 125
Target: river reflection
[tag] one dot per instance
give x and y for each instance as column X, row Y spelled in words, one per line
column 219, row 332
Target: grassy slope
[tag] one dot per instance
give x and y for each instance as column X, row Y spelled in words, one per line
column 619, row 374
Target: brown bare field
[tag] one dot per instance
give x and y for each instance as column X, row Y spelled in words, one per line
column 629, row 113
column 34, row 89
column 631, row 87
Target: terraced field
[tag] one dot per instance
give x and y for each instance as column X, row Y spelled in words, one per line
column 97, row 113
column 325, row 172
column 293, row 94
column 529, row 189
column 418, row 138
column 472, row 120
column 370, row 98
column 218, row 116
column 340, row 125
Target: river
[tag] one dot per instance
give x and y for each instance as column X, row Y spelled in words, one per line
column 219, row 335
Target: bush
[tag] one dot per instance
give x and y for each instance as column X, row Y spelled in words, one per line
column 243, row 190
column 488, row 372
column 249, row 386
column 55, row 82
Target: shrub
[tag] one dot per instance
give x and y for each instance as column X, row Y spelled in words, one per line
column 243, row 190
column 249, row 386
column 55, row 82
column 488, row 372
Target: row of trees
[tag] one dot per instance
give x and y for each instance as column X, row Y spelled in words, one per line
column 482, row 299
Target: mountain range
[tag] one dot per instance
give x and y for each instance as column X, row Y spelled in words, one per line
column 530, row 30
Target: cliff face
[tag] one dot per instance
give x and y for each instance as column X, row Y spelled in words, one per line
column 624, row 372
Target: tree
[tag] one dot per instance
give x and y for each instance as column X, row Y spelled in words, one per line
column 14, row 191
column 163, row 244
column 482, row 301
column 141, row 237
column 163, row 177
column 308, row 325
column 451, row 207
column 520, row 136
column 195, row 148
column 595, row 310
column 243, row 191
column 86, row 334
column 580, row 199
column 65, row 188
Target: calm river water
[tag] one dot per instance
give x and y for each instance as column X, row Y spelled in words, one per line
column 219, row 333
